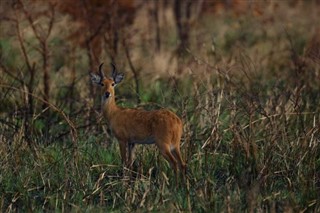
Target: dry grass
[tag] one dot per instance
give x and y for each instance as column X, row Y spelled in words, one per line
column 247, row 90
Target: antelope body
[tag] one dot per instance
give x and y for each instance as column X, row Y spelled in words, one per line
column 136, row 126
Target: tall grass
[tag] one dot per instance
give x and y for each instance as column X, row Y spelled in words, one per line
column 250, row 106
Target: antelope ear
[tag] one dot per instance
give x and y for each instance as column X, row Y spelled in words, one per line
column 97, row 79
column 118, row 78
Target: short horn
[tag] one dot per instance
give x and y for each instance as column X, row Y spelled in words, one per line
column 100, row 71
column 114, row 71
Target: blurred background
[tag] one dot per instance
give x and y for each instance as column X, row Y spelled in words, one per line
column 243, row 75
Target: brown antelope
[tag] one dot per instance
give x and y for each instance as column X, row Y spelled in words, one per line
column 136, row 126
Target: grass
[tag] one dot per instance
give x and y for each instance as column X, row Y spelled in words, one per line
column 232, row 154
column 250, row 109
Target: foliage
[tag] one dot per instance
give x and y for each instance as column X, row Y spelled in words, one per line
column 246, row 88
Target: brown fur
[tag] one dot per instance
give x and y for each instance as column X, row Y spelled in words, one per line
column 133, row 125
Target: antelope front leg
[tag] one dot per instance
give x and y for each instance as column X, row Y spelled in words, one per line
column 131, row 154
column 123, row 152
column 127, row 155
column 124, row 156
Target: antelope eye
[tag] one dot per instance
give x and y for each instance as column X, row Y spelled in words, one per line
column 112, row 84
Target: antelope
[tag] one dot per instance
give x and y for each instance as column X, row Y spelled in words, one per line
column 137, row 126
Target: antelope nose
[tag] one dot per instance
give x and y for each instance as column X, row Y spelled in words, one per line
column 107, row 94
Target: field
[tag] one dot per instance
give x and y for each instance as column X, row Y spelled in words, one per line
column 244, row 79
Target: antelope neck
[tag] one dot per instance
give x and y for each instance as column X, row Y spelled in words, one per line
column 109, row 107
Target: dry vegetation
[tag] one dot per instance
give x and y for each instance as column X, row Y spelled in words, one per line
column 243, row 76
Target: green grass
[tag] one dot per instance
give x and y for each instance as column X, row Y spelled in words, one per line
column 275, row 161
column 250, row 110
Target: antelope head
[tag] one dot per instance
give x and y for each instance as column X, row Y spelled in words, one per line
column 106, row 83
